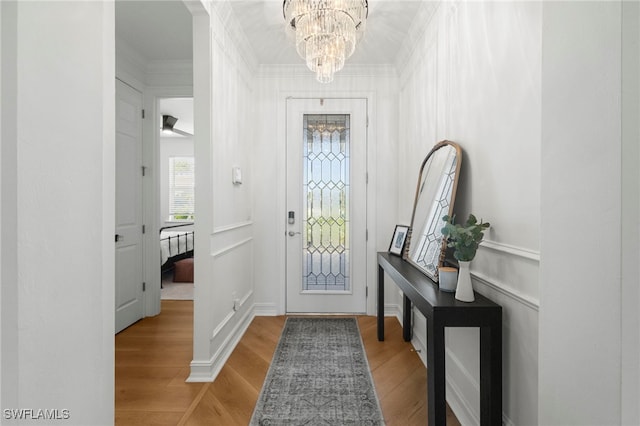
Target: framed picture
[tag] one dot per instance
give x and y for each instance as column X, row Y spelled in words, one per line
column 398, row 240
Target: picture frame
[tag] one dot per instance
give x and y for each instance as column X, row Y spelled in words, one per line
column 399, row 239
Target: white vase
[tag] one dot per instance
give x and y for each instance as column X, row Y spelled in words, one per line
column 464, row 291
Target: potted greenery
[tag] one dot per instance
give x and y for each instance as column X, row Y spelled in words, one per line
column 464, row 239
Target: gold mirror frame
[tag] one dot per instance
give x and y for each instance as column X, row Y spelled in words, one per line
column 435, row 196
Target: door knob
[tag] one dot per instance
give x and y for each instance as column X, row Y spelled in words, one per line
column 119, row 237
column 291, row 233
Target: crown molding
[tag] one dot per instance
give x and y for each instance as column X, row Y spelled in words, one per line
column 301, row 71
column 416, row 33
column 130, row 61
column 231, row 30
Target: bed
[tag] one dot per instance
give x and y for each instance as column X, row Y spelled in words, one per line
column 175, row 244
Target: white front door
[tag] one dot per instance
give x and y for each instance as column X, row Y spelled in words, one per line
column 128, row 238
column 326, row 205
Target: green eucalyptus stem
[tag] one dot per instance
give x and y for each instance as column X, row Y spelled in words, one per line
column 464, row 239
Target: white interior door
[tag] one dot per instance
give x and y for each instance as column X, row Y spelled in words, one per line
column 128, row 238
column 326, row 205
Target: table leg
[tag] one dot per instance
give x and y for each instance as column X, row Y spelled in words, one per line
column 491, row 374
column 436, row 390
column 407, row 329
column 380, row 304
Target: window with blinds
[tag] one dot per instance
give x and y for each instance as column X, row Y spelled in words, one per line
column 181, row 188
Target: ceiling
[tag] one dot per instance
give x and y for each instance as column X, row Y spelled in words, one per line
column 161, row 30
column 263, row 24
column 155, row 30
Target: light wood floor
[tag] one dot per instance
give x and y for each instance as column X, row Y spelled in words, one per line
column 152, row 363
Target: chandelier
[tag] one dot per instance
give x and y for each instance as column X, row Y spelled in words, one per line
column 326, row 32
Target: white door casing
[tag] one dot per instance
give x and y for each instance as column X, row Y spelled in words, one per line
column 128, row 238
column 299, row 200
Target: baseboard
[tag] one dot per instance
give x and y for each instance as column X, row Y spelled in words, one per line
column 456, row 399
column 265, row 309
column 393, row 310
column 207, row 371
column 420, row 346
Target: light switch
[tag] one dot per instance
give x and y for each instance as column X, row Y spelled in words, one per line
column 236, row 176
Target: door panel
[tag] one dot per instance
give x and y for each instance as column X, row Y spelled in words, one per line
column 128, row 245
column 326, row 195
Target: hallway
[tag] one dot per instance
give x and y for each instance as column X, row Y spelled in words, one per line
column 152, row 363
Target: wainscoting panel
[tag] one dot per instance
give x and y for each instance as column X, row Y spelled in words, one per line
column 510, row 270
column 232, row 292
column 206, row 371
column 508, row 276
column 230, row 237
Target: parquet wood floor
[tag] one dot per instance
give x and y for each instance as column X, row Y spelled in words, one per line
column 152, row 364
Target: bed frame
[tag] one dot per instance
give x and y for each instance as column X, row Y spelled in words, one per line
column 176, row 245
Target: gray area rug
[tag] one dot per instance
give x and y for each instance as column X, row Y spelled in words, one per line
column 319, row 376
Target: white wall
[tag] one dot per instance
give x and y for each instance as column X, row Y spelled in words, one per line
column 630, row 361
column 224, row 250
column 379, row 86
column 57, row 289
column 583, row 283
column 8, row 208
column 474, row 78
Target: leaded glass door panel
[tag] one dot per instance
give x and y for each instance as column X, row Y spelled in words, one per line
column 326, row 205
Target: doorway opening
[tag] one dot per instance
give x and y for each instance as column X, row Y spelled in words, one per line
column 176, row 215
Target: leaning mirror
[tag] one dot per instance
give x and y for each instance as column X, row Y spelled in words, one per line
column 435, row 195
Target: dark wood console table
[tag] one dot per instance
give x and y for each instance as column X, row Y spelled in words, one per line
column 442, row 310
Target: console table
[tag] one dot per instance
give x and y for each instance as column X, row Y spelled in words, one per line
column 442, row 310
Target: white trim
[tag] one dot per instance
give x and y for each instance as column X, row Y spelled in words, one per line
column 356, row 102
column 415, row 34
column 232, row 227
column 151, row 189
column 519, row 297
column 455, row 397
column 224, row 30
column 130, row 65
column 230, row 315
column 182, row 67
column 512, row 250
column 225, row 15
column 281, row 105
column 231, row 247
column 222, row 324
column 207, row 371
column 393, row 310
column 266, row 71
column 265, row 309
column 420, row 346
column 245, row 298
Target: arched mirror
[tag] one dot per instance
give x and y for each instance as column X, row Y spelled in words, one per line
column 435, row 195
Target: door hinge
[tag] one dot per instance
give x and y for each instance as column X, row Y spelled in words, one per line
column 144, row 228
column 366, row 292
column 367, row 121
column 143, row 114
column 367, row 235
column 367, row 178
column 144, row 170
column 144, row 286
